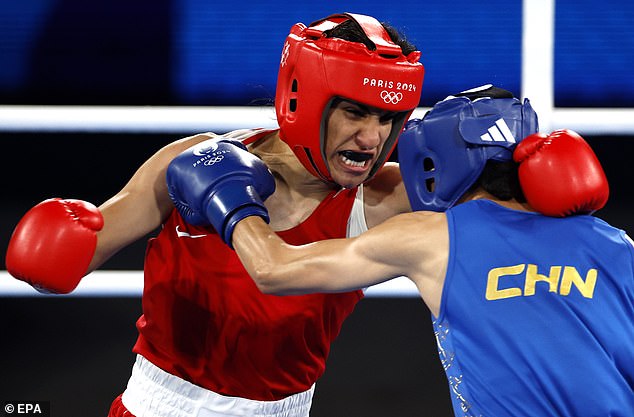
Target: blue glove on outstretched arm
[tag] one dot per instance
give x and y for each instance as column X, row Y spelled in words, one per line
column 219, row 182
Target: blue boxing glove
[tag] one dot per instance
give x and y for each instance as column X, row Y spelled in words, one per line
column 219, row 182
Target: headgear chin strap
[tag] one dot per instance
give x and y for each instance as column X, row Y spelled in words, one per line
column 314, row 70
column 444, row 153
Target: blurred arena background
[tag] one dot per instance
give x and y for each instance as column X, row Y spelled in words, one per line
column 89, row 90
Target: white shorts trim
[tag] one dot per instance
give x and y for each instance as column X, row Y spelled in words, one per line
column 152, row 392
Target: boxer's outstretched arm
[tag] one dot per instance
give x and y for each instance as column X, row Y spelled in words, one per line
column 141, row 205
column 59, row 241
column 412, row 244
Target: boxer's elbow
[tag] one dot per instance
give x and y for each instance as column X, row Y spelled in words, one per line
column 266, row 277
column 276, row 279
column 277, row 268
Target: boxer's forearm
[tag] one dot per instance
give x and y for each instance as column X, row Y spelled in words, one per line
column 266, row 257
column 333, row 265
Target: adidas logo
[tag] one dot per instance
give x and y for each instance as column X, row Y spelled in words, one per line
column 500, row 132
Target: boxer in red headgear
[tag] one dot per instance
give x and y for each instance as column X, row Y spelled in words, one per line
column 315, row 70
column 209, row 342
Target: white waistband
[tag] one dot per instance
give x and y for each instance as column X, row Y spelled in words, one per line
column 152, row 392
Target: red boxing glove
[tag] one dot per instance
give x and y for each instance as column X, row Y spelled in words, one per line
column 53, row 244
column 560, row 175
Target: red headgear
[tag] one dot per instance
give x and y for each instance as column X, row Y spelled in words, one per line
column 314, row 70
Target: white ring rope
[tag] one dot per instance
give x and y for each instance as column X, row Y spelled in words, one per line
column 130, row 284
column 190, row 120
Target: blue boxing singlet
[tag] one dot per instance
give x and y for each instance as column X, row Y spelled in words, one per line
column 536, row 315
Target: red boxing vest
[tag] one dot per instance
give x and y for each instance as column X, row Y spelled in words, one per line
column 205, row 321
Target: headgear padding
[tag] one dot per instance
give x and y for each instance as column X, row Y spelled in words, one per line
column 314, row 70
column 444, row 153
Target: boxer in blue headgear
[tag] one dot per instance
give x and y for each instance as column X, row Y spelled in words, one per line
column 455, row 140
column 532, row 312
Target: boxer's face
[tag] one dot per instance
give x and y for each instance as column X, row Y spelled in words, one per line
column 355, row 136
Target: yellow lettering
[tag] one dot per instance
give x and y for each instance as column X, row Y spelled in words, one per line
column 532, row 277
column 493, row 280
column 572, row 276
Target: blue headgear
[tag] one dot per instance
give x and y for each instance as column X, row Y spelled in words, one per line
column 444, row 153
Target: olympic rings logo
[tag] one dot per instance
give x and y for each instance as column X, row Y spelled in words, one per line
column 213, row 160
column 391, row 97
